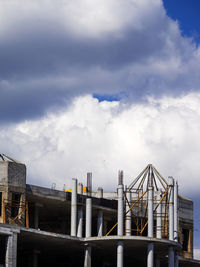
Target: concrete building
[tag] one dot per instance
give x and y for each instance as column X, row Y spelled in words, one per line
column 144, row 224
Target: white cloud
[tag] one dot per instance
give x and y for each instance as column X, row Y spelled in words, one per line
column 82, row 17
column 107, row 136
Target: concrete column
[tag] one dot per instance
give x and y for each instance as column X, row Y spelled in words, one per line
column 100, row 192
column 176, row 261
column 87, row 260
column 80, row 189
column 88, row 223
column 80, row 222
column 150, row 249
column 159, row 217
column 176, row 212
column 150, row 253
column 88, row 231
column 120, row 210
column 128, row 213
column 171, row 257
column 120, row 219
column 120, row 252
column 100, row 223
column 11, row 251
column 74, row 207
column 150, row 211
column 171, row 208
column 80, row 213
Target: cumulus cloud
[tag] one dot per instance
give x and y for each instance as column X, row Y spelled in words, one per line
column 104, row 137
column 51, row 51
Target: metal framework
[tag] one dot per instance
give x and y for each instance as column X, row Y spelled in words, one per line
column 139, row 204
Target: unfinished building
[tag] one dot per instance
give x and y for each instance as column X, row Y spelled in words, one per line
column 144, row 224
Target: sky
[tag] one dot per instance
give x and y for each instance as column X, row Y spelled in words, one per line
column 101, row 85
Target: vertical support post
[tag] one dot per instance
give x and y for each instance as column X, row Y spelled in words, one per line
column 88, row 223
column 159, row 216
column 27, row 216
column 100, row 192
column 120, row 219
column 150, row 249
column 150, row 252
column 128, row 213
column 74, row 207
column 11, row 251
column 120, row 254
column 88, row 259
column 171, row 257
column 171, row 208
column 88, row 231
column 100, row 223
column 171, row 220
column 80, row 213
column 176, row 263
column 176, row 212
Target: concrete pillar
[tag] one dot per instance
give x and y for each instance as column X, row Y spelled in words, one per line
column 150, row 211
column 128, row 214
column 80, row 213
column 80, row 189
column 100, row 223
column 171, row 257
column 176, row 261
column 176, row 212
column 100, row 192
column 87, row 260
column 171, row 208
column 150, row 249
column 120, row 252
column 88, row 223
column 80, row 222
column 74, row 207
column 120, row 219
column 11, row 251
column 88, row 231
column 120, row 213
column 37, row 206
column 150, row 253
column 159, row 217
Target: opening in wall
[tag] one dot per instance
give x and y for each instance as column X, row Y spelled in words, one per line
column 185, row 238
column 15, row 204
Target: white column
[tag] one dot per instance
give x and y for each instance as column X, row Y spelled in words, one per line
column 128, row 213
column 171, row 208
column 176, row 212
column 11, row 251
column 80, row 213
column 171, row 257
column 159, row 216
column 100, row 223
column 74, row 207
column 150, row 249
column 120, row 220
column 120, row 252
column 88, row 231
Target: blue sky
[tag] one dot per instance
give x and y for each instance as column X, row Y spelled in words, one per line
column 101, row 85
column 187, row 14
